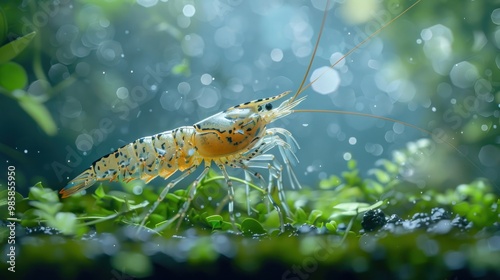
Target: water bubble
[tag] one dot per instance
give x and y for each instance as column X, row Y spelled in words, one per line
column 122, row 92
column 335, row 58
column 225, row 37
column 484, row 127
column 489, row 155
column 66, row 33
column 193, row 45
column 464, row 74
column 374, row 149
column 171, row 101
column 209, row 97
column 71, row 108
column 25, row 151
column 347, row 156
column 38, row 90
column 326, row 80
column 437, row 47
column 206, row 79
column 147, row 3
column 137, row 190
column 183, row 22
column 495, row 16
column 189, row 10
column 84, row 142
column 109, row 52
column 184, row 88
column 235, row 85
column 276, row 55
column 352, row 140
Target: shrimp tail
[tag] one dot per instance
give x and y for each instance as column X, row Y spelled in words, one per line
column 86, row 179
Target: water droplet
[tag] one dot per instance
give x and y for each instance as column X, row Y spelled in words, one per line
column 347, row 156
column 189, row 10
column 147, row 3
column 353, row 140
column 276, row 55
column 122, row 93
column 206, row 79
column 326, row 80
column 495, row 16
column 338, row 59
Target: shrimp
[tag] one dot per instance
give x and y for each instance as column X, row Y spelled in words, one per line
column 238, row 137
column 232, row 138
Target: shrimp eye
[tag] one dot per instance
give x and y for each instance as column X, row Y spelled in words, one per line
column 269, row 106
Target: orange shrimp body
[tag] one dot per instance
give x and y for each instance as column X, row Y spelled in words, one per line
column 230, row 138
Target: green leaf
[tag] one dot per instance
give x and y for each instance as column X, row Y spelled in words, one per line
column 331, row 226
column 12, row 76
column 300, row 215
column 214, row 220
column 330, row 183
column 381, row 175
column 251, row 227
column 315, row 214
column 354, row 208
column 12, row 49
column 38, row 193
column 99, row 192
column 65, row 222
column 39, row 113
column 351, row 164
column 182, row 68
column 47, row 207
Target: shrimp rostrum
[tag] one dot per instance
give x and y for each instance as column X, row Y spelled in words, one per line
column 237, row 137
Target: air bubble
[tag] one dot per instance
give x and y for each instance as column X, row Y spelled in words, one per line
column 325, row 80
column 353, row 140
column 495, row 16
column 193, row 45
column 84, row 142
column 335, row 58
column 209, row 97
column 122, row 92
column 189, row 10
column 147, row 3
column 276, row 55
column 347, row 156
column 206, row 79
column 184, row 88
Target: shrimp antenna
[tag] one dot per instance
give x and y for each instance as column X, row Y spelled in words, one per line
column 302, row 87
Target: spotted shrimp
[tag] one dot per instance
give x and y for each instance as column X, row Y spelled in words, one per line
column 238, row 137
